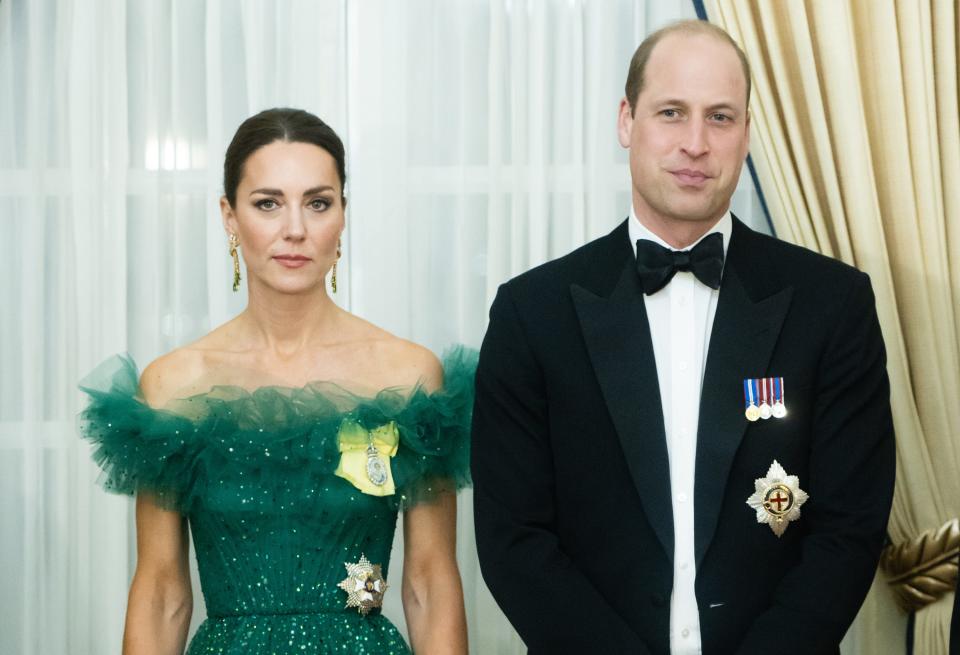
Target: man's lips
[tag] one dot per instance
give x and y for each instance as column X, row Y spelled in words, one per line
column 689, row 176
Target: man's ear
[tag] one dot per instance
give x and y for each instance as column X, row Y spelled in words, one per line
column 624, row 123
column 747, row 128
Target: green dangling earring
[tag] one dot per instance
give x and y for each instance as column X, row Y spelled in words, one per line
column 333, row 274
column 234, row 243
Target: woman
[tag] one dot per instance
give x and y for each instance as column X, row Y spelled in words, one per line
column 291, row 487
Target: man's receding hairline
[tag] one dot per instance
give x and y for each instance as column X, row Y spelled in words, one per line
column 690, row 33
column 636, row 75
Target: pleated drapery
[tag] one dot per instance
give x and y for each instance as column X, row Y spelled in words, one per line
column 857, row 145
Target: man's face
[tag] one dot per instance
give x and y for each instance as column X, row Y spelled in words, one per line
column 689, row 132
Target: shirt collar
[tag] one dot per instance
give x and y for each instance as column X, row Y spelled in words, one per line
column 638, row 230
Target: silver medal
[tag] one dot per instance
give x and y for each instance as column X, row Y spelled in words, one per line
column 376, row 468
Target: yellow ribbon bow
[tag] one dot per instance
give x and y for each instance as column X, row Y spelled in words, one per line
column 354, row 442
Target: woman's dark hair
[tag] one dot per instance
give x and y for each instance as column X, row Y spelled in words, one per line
column 279, row 124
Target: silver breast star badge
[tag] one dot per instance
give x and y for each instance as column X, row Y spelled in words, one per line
column 364, row 585
column 777, row 498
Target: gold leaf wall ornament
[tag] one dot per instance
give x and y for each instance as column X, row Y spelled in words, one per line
column 924, row 569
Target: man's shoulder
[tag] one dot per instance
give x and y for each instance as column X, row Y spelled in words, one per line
column 590, row 261
column 801, row 267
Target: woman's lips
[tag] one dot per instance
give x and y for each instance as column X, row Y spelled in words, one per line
column 292, row 261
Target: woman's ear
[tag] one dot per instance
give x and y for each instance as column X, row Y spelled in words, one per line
column 227, row 216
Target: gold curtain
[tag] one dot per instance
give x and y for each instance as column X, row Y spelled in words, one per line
column 856, row 142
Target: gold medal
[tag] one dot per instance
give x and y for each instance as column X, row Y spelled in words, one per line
column 750, row 398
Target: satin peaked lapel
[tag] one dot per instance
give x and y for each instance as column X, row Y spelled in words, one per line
column 741, row 344
column 617, row 336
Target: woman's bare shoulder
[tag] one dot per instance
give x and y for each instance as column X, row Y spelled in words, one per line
column 393, row 361
column 185, row 370
column 420, row 364
column 168, row 376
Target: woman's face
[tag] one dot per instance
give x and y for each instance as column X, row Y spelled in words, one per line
column 288, row 216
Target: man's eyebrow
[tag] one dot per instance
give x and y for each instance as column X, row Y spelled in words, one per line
column 724, row 105
column 728, row 106
column 672, row 101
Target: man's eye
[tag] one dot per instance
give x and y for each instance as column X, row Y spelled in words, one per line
column 266, row 204
column 721, row 118
column 320, row 204
column 670, row 113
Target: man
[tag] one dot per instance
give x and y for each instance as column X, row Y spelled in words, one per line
column 955, row 622
column 683, row 452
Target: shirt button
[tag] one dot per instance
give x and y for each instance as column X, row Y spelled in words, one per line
column 683, row 366
column 683, row 567
column 684, row 633
column 682, row 498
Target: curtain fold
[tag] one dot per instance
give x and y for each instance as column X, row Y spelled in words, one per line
column 857, row 147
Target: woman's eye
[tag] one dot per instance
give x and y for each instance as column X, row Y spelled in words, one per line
column 266, row 204
column 319, row 204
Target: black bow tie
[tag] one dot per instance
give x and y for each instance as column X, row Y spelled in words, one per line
column 657, row 265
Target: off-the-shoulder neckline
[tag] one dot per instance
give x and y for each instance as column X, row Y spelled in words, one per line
column 343, row 400
column 316, row 389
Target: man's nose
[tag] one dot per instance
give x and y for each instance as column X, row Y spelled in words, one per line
column 695, row 142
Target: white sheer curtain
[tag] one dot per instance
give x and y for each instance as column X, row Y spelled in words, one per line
column 480, row 140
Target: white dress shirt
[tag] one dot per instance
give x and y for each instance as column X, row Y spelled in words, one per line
column 681, row 319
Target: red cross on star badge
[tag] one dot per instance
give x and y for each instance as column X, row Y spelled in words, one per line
column 777, row 498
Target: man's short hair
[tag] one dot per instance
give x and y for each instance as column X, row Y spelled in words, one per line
column 638, row 63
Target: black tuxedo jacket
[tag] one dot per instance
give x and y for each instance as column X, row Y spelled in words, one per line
column 571, row 476
column 955, row 622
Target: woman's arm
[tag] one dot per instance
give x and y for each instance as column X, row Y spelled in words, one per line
column 160, row 602
column 432, row 595
column 431, row 591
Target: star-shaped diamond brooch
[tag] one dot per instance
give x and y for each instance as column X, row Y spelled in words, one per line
column 364, row 585
column 777, row 498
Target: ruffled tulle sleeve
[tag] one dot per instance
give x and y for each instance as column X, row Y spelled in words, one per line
column 434, row 453
column 137, row 447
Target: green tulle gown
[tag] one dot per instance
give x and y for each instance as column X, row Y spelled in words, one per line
column 275, row 509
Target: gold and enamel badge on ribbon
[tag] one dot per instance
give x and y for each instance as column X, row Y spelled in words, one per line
column 777, row 498
column 364, row 585
column 365, row 456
